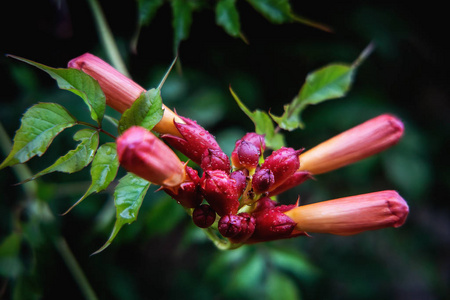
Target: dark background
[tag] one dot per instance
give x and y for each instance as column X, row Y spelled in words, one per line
column 162, row 255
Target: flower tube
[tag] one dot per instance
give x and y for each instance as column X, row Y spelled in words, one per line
column 351, row 215
column 143, row 154
column 362, row 141
column 120, row 91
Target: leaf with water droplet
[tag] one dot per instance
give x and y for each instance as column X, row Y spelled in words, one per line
column 128, row 197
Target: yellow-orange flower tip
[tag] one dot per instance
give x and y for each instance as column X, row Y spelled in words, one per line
column 351, row 215
column 145, row 155
column 362, row 141
column 120, row 91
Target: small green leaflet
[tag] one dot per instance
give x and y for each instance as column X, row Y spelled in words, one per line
column 128, row 197
column 41, row 123
column 276, row 11
column 263, row 125
column 146, row 111
column 330, row 82
column 227, row 16
column 75, row 160
column 147, row 10
column 103, row 170
column 78, row 83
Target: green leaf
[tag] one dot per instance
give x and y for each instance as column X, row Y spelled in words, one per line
column 103, row 170
column 227, row 16
column 276, row 11
column 181, row 21
column 147, row 10
column 330, row 82
column 293, row 262
column 263, row 125
column 41, row 123
column 78, row 83
column 128, row 197
column 146, row 111
column 75, row 160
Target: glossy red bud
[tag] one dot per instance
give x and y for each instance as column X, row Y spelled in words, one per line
column 283, row 163
column 221, row 192
column 215, row 159
column 203, row 216
column 194, row 142
column 245, row 155
column 240, row 176
column 248, row 225
column 230, row 225
column 262, row 181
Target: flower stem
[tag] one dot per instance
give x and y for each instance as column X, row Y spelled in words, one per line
column 97, row 128
column 107, row 38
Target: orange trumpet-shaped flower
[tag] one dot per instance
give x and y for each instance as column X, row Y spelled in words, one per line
column 143, row 154
column 362, row 141
column 120, row 91
column 351, row 215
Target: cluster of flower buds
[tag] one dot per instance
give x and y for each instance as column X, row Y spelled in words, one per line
column 235, row 195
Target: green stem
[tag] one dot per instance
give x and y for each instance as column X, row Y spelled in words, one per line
column 97, row 128
column 107, row 38
column 71, row 262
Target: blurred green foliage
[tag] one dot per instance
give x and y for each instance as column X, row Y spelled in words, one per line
column 162, row 255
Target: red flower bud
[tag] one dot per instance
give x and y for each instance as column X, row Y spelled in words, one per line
column 120, row 91
column 351, row 215
column 240, row 176
column 248, row 225
column 204, row 216
column 273, row 224
column 187, row 193
column 283, row 163
column 230, row 225
column 262, row 181
column 215, row 159
column 245, row 155
column 194, row 142
column 362, row 141
column 221, row 192
column 143, row 154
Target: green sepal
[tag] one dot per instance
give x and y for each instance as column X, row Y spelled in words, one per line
column 41, row 123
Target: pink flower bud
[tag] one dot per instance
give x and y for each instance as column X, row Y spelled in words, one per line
column 351, row 215
column 220, row 191
column 215, row 159
column 204, row 216
column 120, row 91
column 262, row 181
column 143, row 154
column 194, row 142
column 352, row 145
